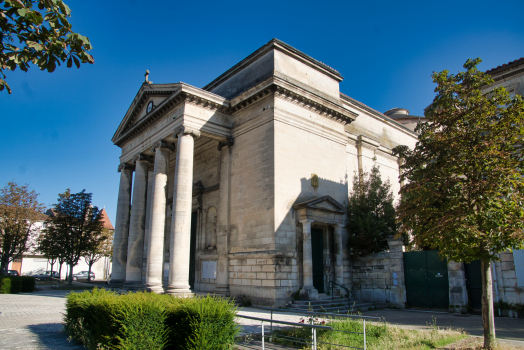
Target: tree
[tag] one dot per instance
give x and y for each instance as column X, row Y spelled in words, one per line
column 76, row 227
column 371, row 214
column 466, row 186
column 103, row 249
column 38, row 32
column 19, row 211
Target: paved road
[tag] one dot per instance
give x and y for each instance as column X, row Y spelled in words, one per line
column 505, row 328
column 34, row 321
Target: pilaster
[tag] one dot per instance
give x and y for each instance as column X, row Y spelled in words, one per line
column 222, row 286
column 308, row 292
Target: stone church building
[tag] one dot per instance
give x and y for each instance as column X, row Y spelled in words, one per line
column 240, row 187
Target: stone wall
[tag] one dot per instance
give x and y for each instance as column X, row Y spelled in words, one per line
column 507, row 287
column 380, row 277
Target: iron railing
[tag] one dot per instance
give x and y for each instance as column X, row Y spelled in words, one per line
column 322, row 315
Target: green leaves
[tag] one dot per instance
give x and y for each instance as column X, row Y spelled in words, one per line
column 371, row 214
column 47, row 39
column 464, row 179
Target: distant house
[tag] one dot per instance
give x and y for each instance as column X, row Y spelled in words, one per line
column 34, row 262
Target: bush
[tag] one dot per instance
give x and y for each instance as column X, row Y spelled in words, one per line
column 106, row 319
column 16, row 284
column 5, row 285
column 28, row 284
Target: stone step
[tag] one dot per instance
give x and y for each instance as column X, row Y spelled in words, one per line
column 361, row 306
column 325, row 301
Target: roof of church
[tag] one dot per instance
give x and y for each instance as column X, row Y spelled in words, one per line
column 105, row 220
column 508, row 65
column 260, row 50
column 374, row 111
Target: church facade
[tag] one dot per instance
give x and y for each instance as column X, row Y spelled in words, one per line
column 240, row 187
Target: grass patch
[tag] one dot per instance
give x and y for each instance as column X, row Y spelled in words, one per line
column 378, row 336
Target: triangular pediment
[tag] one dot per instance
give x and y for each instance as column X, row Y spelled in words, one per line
column 155, row 93
column 325, row 203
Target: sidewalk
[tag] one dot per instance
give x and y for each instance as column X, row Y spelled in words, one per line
column 34, row 321
column 510, row 329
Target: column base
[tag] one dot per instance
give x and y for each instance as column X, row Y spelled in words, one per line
column 222, row 290
column 133, row 285
column 154, row 288
column 179, row 291
column 113, row 283
column 308, row 293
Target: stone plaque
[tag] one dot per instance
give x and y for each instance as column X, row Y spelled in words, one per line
column 209, row 269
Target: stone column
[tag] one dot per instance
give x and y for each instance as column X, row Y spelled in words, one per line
column 397, row 293
column 137, row 222
column 118, row 270
column 457, row 286
column 339, row 258
column 155, row 248
column 180, row 238
column 308, row 292
column 222, row 281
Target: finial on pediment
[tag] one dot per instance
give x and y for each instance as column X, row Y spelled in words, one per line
column 147, row 78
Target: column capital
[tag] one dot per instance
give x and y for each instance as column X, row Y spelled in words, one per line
column 306, row 221
column 186, row 131
column 162, row 144
column 227, row 142
column 126, row 166
column 142, row 156
column 339, row 225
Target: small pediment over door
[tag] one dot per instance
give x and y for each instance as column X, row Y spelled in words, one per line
column 323, row 209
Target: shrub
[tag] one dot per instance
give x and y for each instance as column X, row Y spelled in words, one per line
column 5, row 285
column 149, row 321
column 28, row 284
column 16, row 284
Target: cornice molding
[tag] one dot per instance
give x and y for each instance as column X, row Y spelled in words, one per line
column 187, row 94
column 163, row 144
column 143, row 157
column 273, row 86
column 186, row 131
column 227, row 142
column 126, row 166
column 366, row 142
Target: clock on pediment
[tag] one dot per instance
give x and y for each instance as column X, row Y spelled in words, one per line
column 149, row 106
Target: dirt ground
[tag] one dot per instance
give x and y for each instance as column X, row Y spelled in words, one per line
column 476, row 343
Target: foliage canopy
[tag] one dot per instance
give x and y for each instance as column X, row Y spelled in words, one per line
column 371, row 214
column 75, row 228
column 19, row 211
column 465, row 190
column 465, row 184
column 38, row 32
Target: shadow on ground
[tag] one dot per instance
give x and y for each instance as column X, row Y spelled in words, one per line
column 53, row 336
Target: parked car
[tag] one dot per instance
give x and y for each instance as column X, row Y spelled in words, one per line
column 82, row 275
column 46, row 276
column 13, row 273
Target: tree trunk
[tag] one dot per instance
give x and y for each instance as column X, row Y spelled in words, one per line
column 89, row 273
column 488, row 319
column 70, row 277
column 4, row 263
column 60, row 271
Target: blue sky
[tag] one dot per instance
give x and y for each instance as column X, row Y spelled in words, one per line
column 56, row 128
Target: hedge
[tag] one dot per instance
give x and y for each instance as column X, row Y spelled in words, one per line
column 106, row 319
column 16, row 284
